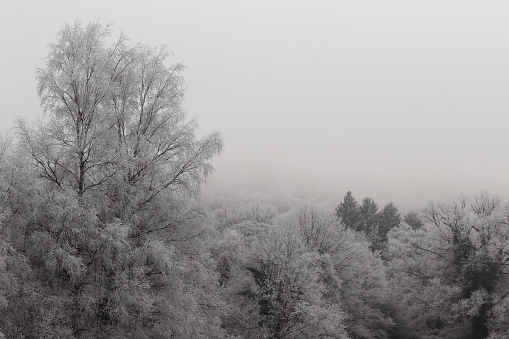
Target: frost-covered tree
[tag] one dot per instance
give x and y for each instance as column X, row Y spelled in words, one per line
column 288, row 289
column 115, row 244
column 353, row 275
column 423, row 298
column 114, row 111
column 452, row 274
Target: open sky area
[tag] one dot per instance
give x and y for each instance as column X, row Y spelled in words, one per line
column 403, row 101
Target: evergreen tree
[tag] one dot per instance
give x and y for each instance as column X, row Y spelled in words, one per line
column 388, row 219
column 370, row 217
column 348, row 211
column 413, row 220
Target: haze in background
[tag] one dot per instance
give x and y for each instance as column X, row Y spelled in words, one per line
column 398, row 100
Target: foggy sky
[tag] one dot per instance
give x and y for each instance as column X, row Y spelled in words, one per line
column 398, row 100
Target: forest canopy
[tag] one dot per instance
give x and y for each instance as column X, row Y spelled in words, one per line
column 103, row 234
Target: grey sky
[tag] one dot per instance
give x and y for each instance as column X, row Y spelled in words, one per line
column 399, row 100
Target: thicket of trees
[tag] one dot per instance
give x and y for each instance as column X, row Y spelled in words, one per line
column 298, row 274
column 366, row 218
column 101, row 234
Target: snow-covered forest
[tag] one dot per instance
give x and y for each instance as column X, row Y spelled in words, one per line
column 103, row 233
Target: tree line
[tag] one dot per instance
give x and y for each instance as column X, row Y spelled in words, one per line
column 102, row 234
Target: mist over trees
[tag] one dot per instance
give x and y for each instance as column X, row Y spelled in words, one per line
column 102, row 234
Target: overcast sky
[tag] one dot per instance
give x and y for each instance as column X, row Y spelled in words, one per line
column 399, row 100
